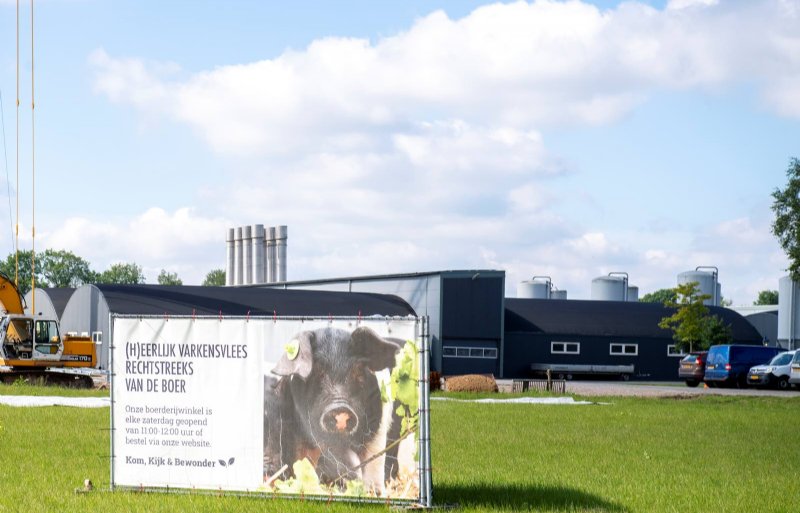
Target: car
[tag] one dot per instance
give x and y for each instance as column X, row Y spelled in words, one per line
column 775, row 374
column 794, row 373
column 692, row 368
column 728, row 364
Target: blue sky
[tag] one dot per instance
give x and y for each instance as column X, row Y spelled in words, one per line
column 568, row 139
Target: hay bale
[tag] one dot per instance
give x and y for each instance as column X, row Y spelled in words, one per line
column 471, row 383
column 435, row 381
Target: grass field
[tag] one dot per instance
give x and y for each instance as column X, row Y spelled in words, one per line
column 727, row 454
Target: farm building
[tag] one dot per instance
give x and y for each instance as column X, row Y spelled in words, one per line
column 615, row 337
column 473, row 328
column 465, row 311
column 90, row 307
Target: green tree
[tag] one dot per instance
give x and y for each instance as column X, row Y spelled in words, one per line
column 65, row 269
column 8, row 267
column 786, row 225
column 689, row 323
column 660, row 296
column 716, row 332
column 767, row 297
column 122, row 273
column 168, row 278
column 215, row 278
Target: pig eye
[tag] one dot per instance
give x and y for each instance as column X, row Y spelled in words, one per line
column 357, row 374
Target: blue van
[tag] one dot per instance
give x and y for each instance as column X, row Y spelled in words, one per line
column 728, row 365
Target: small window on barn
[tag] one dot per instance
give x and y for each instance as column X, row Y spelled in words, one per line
column 624, row 349
column 462, row 351
column 671, row 351
column 490, row 353
column 448, row 351
column 476, row 352
column 565, row 347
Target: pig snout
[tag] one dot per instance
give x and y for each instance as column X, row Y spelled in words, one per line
column 339, row 417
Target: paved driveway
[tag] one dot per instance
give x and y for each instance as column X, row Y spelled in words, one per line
column 662, row 389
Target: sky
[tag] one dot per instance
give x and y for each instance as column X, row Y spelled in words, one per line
column 568, row 139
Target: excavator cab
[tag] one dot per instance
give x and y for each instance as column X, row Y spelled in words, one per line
column 26, row 339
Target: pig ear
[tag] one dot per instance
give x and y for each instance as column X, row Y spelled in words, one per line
column 297, row 357
column 379, row 353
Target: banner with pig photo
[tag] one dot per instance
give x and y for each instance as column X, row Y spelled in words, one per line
column 334, row 408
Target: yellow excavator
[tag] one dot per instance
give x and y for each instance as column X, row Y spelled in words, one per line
column 33, row 348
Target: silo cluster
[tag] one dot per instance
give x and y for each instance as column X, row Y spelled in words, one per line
column 256, row 254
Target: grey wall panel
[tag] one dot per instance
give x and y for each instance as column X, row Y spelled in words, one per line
column 766, row 323
column 472, row 307
column 44, row 305
column 87, row 311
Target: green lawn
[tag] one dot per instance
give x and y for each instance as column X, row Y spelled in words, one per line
column 726, row 454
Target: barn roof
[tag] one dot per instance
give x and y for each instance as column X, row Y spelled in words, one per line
column 199, row 300
column 606, row 318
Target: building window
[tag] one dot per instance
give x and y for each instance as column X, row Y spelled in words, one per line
column 97, row 337
column 671, row 351
column 565, row 347
column 469, row 352
column 624, row 349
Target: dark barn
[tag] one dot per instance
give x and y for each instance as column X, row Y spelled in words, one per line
column 615, row 337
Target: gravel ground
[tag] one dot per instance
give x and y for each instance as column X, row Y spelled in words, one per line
column 657, row 389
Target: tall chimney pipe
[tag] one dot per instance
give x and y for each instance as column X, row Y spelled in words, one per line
column 247, row 255
column 237, row 255
column 272, row 270
column 229, row 242
column 281, row 236
column 258, row 253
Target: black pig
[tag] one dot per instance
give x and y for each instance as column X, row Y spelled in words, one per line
column 338, row 414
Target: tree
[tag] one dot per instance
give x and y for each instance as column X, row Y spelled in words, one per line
column 767, row 297
column 690, row 324
column 215, row 278
column 786, row 226
column 122, row 273
column 65, row 269
column 8, row 267
column 717, row 332
column 167, row 278
column 660, row 296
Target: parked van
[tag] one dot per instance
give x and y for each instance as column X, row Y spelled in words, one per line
column 774, row 374
column 728, row 365
column 794, row 376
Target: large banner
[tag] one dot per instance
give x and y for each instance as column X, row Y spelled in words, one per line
column 325, row 407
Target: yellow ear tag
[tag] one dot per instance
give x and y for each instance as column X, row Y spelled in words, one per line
column 292, row 349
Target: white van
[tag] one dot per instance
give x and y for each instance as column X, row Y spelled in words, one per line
column 774, row 374
column 794, row 376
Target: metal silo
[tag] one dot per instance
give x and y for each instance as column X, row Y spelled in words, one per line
column 558, row 294
column 708, row 283
column 633, row 293
column 613, row 287
column 788, row 312
column 538, row 287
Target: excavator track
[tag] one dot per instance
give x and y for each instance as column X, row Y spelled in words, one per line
column 48, row 378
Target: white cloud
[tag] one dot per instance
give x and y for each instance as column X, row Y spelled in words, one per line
column 517, row 66
column 155, row 239
column 683, row 4
column 423, row 149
